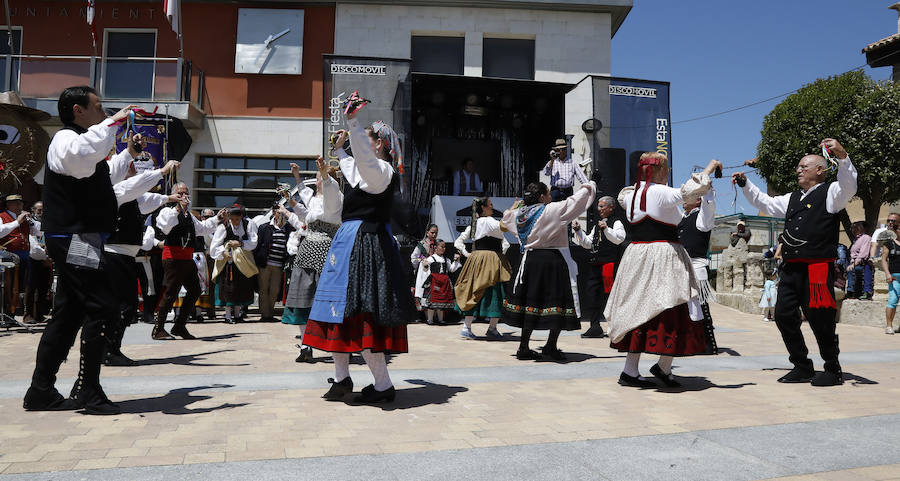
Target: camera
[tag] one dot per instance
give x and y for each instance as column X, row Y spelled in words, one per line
column 718, row 173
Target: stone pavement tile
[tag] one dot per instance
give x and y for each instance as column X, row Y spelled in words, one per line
column 134, row 461
column 880, row 473
column 204, row 458
column 75, row 454
column 347, row 450
column 127, row 452
column 39, row 467
column 303, row 452
column 101, row 463
column 256, row 454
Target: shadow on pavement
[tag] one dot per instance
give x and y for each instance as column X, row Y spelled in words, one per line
column 699, row 383
column 175, row 402
column 222, row 337
column 570, row 358
column 426, row 394
column 857, row 380
column 729, row 351
column 188, row 360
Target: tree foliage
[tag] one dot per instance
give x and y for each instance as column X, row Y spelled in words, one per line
column 864, row 116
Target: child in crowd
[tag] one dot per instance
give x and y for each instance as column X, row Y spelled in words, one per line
column 770, row 290
column 437, row 293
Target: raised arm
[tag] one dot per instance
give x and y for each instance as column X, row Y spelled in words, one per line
column 574, row 206
column 774, row 206
column 76, row 154
column 167, row 219
column 332, row 198
column 706, row 220
column 207, row 226
column 840, row 192
column 149, row 239
column 133, row 187
column 375, row 174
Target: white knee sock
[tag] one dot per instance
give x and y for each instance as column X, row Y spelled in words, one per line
column 378, row 366
column 440, row 316
column 341, row 366
column 302, row 332
column 468, row 320
column 631, row 364
column 665, row 363
column 429, row 315
column 493, row 325
column 227, row 312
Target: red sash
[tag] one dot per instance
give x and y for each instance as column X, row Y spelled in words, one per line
column 608, row 276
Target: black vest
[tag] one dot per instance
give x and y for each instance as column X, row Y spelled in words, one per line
column 603, row 251
column 488, row 243
column 893, row 255
column 74, row 206
column 695, row 242
column 374, row 208
column 810, row 231
column 229, row 231
column 649, row 230
column 264, row 241
column 183, row 234
column 129, row 225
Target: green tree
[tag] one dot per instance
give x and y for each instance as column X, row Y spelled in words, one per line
column 864, row 116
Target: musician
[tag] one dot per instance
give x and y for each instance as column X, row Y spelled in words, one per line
column 810, row 240
column 130, row 236
column 17, row 241
column 37, row 294
column 180, row 230
column 81, row 212
column 603, row 242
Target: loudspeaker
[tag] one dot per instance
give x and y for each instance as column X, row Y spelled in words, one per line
column 633, row 160
column 611, row 167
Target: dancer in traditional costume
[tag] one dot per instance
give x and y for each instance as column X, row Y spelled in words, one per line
column 437, row 291
column 648, row 306
column 322, row 217
column 363, row 301
column 234, row 284
column 811, row 228
column 694, row 231
column 479, row 287
column 604, row 247
column 544, row 294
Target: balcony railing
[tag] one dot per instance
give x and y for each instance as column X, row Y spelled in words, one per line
column 116, row 78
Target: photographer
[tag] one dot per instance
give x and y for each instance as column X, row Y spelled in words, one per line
column 562, row 171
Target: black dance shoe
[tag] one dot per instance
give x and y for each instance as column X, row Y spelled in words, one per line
column 528, row 355
column 182, row 332
column 370, row 396
column 118, row 359
column 306, row 355
column 666, row 379
column 554, row 353
column 161, row 335
column 594, row 332
column 798, row 375
column 47, row 400
column 94, row 401
column 635, row 381
column 338, row 390
column 827, row 378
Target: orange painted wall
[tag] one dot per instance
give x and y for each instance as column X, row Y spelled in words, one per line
column 57, row 27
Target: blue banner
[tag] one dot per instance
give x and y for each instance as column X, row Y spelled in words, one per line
column 639, row 119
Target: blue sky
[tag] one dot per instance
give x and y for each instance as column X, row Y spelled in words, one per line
column 723, row 54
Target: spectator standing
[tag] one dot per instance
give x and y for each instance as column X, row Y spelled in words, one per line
column 860, row 264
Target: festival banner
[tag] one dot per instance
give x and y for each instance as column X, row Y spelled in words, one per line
column 155, row 153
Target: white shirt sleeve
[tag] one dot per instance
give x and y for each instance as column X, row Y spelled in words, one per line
column 569, row 209
column 252, row 237
column 205, row 227
column 149, row 202
column 118, row 166
column 217, row 247
column 706, row 219
column 300, row 211
column 371, row 174
column 293, row 244
column 77, row 155
column 579, row 172
column 460, row 242
column 294, row 220
column 132, row 188
column 36, row 252
column 582, row 239
column 616, row 232
column 775, row 206
column 332, row 199
column 167, row 219
column 35, row 228
column 149, row 239
column 840, row 192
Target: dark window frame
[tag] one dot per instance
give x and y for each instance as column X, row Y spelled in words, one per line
column 493, row 48
column 422, row 46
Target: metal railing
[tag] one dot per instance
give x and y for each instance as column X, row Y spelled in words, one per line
column 116, row 78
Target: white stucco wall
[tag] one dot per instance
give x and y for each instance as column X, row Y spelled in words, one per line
column 568, row 45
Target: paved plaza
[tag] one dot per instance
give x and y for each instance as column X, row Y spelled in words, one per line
column 234, row 405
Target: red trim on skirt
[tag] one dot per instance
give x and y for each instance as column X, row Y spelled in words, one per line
column 355, row 334
column 671, row 333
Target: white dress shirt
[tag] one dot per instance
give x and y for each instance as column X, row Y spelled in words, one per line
column 168, row 219
column 7, row 228
column 663, row 202
column 484, row 227
column 615, row 233
column 217, row 248
column 839, row 193
column 364, row 170
column 76, row 155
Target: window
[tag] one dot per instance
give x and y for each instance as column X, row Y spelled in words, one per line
column 508, row 58
column 11, row 77
column 438, row 54
column 249, row 181
column 125, row 78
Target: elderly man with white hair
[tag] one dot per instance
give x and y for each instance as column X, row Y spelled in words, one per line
column 604, row 243
column 810, row 240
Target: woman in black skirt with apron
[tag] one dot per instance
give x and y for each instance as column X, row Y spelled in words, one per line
column 233, row 289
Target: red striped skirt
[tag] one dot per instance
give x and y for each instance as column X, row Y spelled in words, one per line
column 354, row 335
column 671, row 333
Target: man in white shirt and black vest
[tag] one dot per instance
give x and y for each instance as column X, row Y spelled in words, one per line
column 810, row 240
column 694, row 232
column 80, row 214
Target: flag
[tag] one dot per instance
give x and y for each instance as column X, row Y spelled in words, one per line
column 90, row 21
column 173, row 14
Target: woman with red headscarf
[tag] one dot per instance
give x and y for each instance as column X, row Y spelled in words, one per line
column 648, row 304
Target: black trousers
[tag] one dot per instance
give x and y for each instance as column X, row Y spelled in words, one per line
column 793, row 293
column 594, row 303
column 178, row 273
column 122, row 271
column 561, row 193
column 156, row 268
column 82, row 301
column 37, row 302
